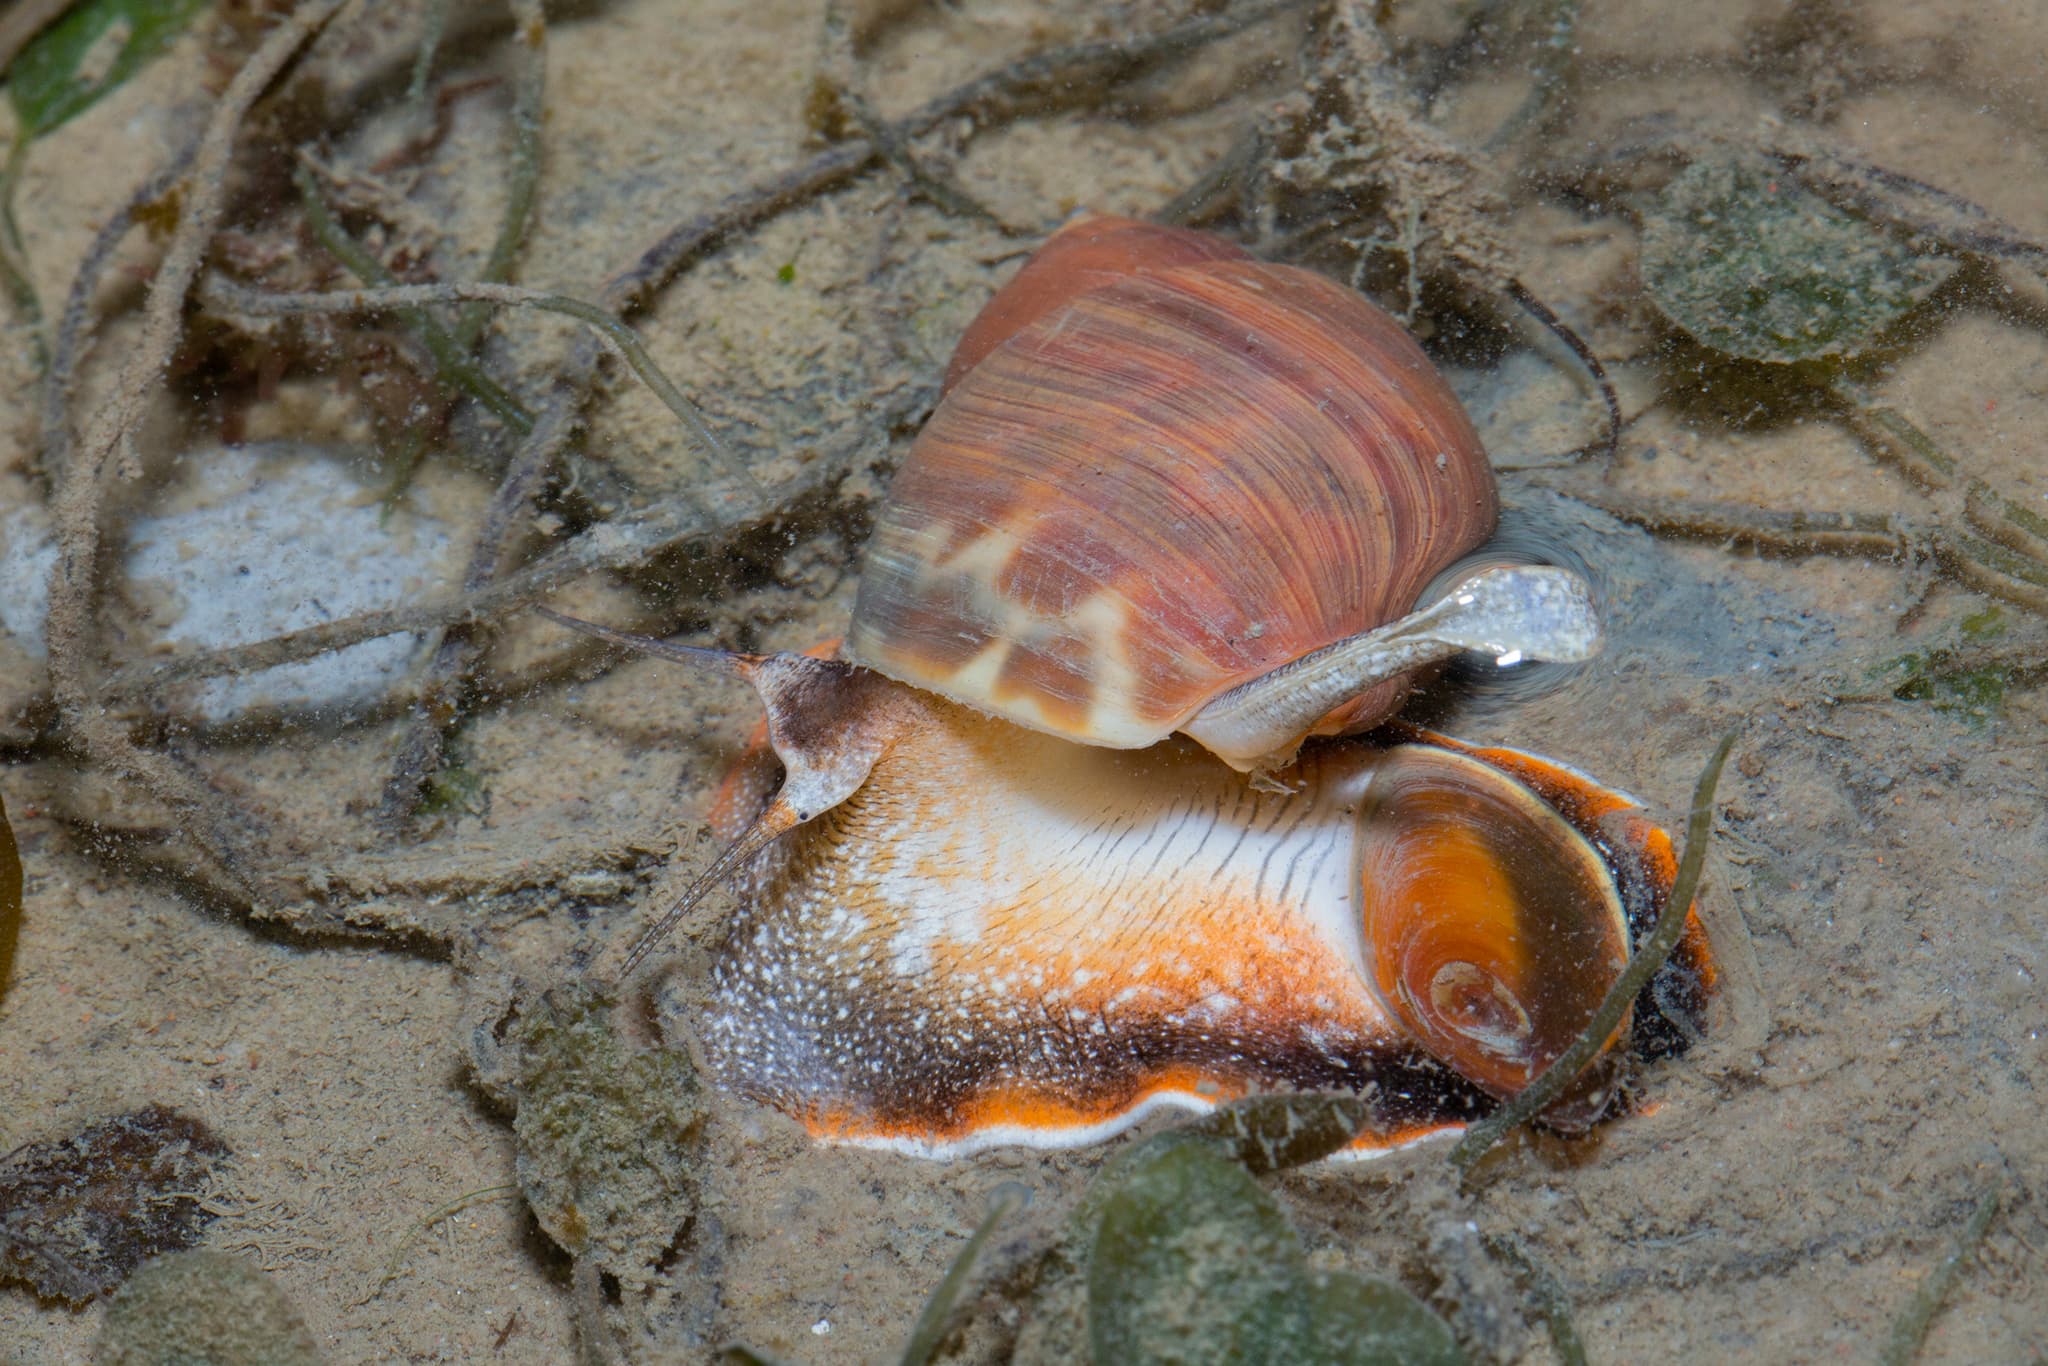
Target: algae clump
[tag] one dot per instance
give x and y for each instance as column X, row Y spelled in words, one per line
column 203, row 1309
column 605, row 1132
column 1194, row 1262
column 78, row 1214
column 1755, row 265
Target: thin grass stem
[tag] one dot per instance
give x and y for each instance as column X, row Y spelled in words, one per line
column 1539, row 1095
column 451, row 357
column 226, row 296
column 1909, row 1330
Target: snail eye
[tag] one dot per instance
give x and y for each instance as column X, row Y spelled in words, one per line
column 1492, row 929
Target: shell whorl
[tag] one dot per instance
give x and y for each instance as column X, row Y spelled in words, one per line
column 1168, row 483
column 1090, row 252
column 1494, row 927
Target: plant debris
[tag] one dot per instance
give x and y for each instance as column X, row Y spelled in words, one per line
column 1756, row 265
column 606, row 1133
column 79, row 1214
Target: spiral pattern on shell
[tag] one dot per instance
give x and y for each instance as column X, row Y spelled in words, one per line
column 1165, row 469
column 1493, row 927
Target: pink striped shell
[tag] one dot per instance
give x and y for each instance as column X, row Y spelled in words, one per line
column 1163, row 469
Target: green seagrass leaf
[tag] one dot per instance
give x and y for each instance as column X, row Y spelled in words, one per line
column 1755, row 265
column 88, row 53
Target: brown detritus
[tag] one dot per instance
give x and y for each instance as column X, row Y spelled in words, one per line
column 81, row 484
column 159, row 853
column 78, row 1214
column 453, row 347
column 1982, row 567
column 439, row 702
column 824, row 113
column 198, row 183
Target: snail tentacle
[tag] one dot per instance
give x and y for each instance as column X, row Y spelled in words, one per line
column 828, row 722
column 695, row 656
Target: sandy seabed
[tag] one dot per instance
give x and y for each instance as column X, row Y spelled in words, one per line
column 1877, row 1065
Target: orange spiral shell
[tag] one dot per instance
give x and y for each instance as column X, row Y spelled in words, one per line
column 1164, row 469
column 1494, row 928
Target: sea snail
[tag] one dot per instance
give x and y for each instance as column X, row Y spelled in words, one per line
column 1003, row 877
column 1174, row 488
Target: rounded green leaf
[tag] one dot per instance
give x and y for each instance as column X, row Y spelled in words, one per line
column 1355, row 1321
column 1194, row 1263
column 189, row 1308
column 1755, row 265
